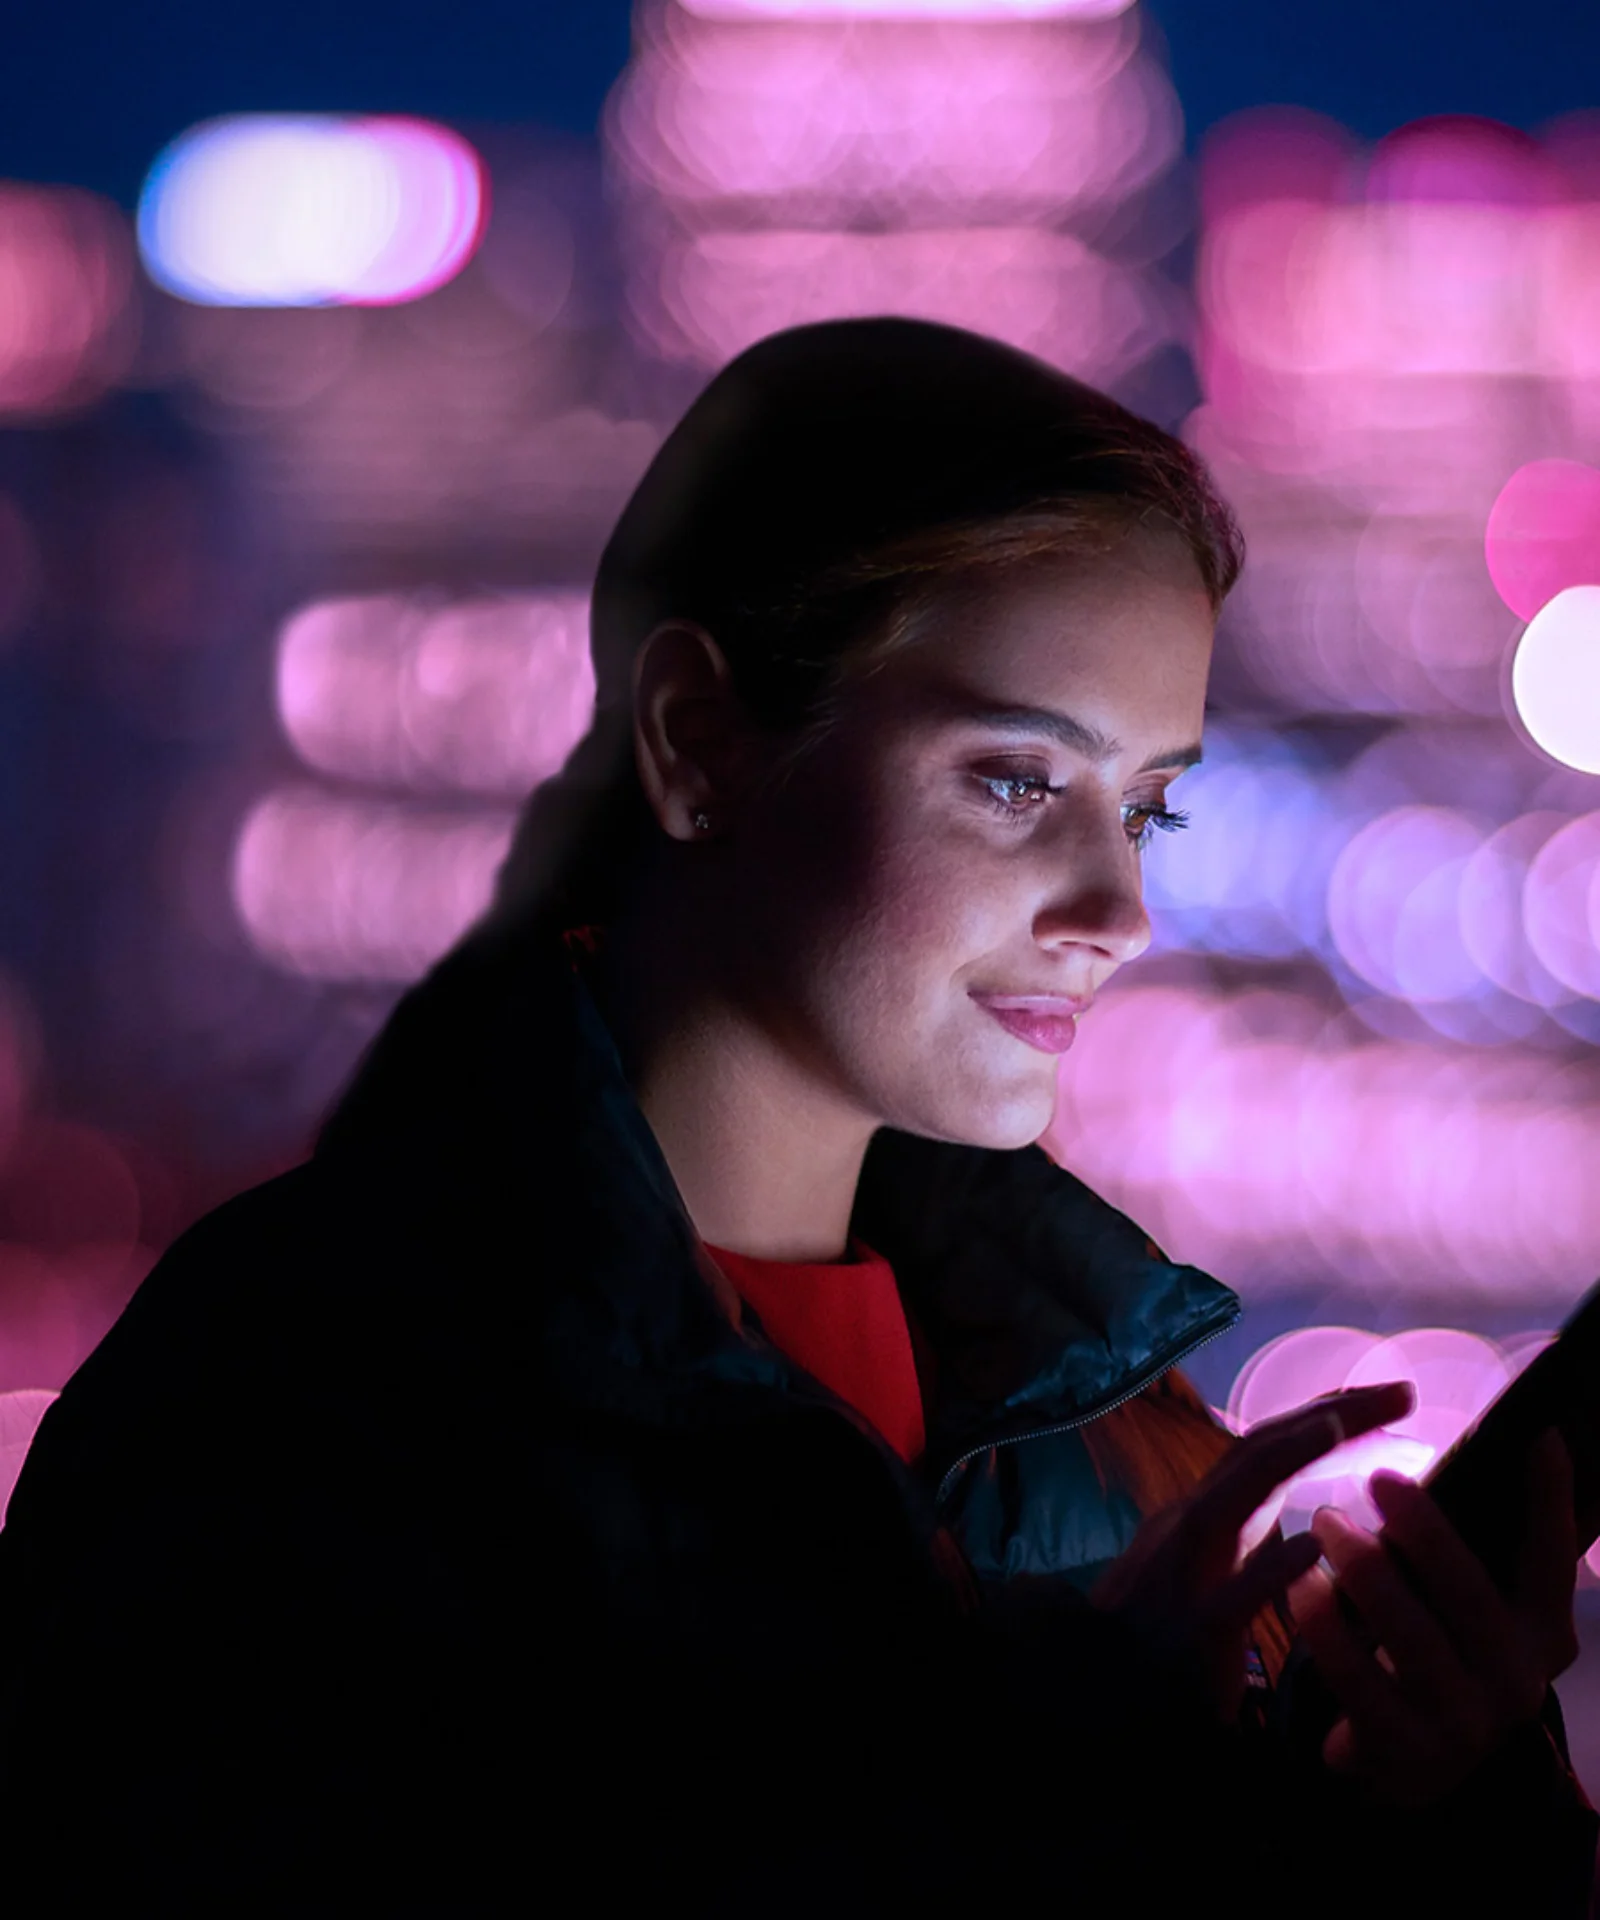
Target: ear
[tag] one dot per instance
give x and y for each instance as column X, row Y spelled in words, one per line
column 691, row 733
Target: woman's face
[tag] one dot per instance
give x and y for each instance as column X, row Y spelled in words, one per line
column 949, row 878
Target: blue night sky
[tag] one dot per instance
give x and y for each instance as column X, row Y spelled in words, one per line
column 89, row 94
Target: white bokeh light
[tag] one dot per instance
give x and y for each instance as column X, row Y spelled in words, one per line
column 264, row 210
column 1555, row 677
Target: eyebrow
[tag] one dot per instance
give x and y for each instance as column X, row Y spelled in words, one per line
column 1076, row 734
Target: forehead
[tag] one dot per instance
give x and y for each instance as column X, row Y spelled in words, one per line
column 1121, row 639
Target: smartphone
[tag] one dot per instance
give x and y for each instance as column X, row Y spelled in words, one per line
column 1481, row 1485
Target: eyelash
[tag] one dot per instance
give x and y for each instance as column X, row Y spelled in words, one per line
column 1164, row 819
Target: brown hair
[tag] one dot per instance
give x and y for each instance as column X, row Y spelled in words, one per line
column 823, row 488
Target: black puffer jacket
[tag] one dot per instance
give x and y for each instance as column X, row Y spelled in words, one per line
column 428, row 1537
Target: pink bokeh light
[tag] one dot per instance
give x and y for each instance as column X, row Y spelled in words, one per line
column 20, row 1414
column 66, row 298
column 815, row 123
column 1463, row 159
column 1491, row 901
column 1558, row 905
column 1296, row 1367
column 1045, row 292
column 1253, row 1134
column 1393, row 903
column 785, row 165
column 1275, row 153
column 1383, row 337
column 1453, row 1374
column 925, row 10
column 480, row 696
column 1380, row 610
column 74, row 1217
column 1544, row 533
column 346, row 889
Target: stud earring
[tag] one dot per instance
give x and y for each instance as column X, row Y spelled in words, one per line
column 702, row 822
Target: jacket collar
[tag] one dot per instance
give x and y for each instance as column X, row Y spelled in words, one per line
column 497, row 1077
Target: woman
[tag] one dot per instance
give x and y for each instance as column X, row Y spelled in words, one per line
column 678, row 1437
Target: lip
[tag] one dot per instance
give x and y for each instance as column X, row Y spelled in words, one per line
column 1047, row 1021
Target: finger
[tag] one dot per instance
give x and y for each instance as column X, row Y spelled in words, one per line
column 1490, row 1639
column 1422, row 1657
column 1278, row 1449
column 1311, row 1591
column 1262, row 1578
column 1381, row 1717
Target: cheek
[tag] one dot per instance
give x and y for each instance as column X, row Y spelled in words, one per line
column 875, row 898
column 918, row 910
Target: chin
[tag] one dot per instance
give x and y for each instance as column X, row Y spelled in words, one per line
column 998, row 1123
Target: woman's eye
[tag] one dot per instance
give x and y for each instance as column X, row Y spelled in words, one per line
column 1140, row 821
column 1014, row 793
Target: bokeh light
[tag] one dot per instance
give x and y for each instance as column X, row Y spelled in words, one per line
column 1047, row 293
column 1544, row 533
column 1556, row 904
column 846, row 10
column 1453, row 1374
column 817, row 162
column 291, row 211
column 347, row 889
column 1270, row 1138
column 1480, row 931
column 485, row 696
column 1555, row 677
column 1385, row 336
column 67, row 319
column 20, row 1414
column 1393, row 903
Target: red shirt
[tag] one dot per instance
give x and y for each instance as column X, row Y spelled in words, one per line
column 843, row 1322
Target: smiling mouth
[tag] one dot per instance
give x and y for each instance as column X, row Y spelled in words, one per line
column 1048, row 1022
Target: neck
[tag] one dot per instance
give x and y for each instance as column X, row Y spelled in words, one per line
column 766, row 1159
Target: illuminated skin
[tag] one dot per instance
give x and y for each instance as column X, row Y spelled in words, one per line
column 808, row 974
column 805, row 971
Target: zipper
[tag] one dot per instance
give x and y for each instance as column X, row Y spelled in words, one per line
column 1132, row 1392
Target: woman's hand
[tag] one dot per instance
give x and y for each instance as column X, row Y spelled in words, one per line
column 1447, row 1666
column 1182, row 1584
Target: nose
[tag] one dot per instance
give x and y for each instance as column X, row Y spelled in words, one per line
column 1097, row 900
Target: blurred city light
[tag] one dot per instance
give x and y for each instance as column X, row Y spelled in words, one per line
column 1558, row 911
column 1453, row 1374
column 1544, row 533
column 486, row 696
column 957, row 163
column 1385, row 336
column 293, row 211
column 1555, row 677
column 354, row 889
column 1393, row 904
column 66, row 299
column 1266, row 1136
column 20, row 1414
column 1045, row 292
column 848, row 10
